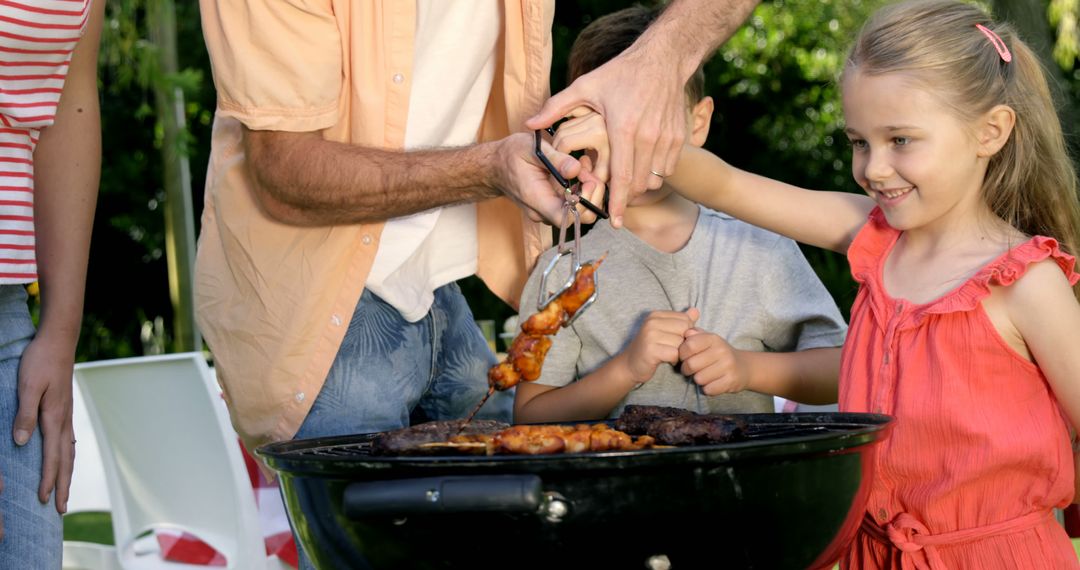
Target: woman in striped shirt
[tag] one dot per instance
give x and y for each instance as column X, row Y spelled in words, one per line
column 50, row 160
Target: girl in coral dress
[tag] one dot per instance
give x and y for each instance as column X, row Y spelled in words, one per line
column 966, row 322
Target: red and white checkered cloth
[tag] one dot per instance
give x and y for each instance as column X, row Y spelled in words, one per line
column 187, row 548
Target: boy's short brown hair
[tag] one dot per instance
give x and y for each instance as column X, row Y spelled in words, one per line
column 610, row 34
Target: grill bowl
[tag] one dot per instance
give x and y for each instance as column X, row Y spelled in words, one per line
column 790, row 495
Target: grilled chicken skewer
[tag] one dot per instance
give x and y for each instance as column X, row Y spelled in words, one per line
column 526, row 354
column 546, row 439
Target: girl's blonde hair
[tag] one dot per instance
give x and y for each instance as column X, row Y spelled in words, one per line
column 1031, row 182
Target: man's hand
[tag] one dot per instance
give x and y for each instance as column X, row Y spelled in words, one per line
column 522, row 177
column 45, row 396
column 712, row 363
column 658, row 341
column 641, row 97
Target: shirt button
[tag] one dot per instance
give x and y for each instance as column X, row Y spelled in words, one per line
column 882, row 514
column 398, row 78
column 336, row 320
column 299, row 396
column 365, row 239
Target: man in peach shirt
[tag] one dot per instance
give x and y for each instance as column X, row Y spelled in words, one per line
column 365, row 156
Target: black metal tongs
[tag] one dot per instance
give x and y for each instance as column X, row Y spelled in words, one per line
column 571, row 198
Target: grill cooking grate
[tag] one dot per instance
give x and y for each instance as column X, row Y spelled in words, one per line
column 359, row 447
column 340, row 451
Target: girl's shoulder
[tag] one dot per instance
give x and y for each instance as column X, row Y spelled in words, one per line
column 1025, row 275
column 1034, row 307
column 1038, row 273
column 1039, row 258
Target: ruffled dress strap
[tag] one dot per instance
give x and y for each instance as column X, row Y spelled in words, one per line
column 1004, row 271
column 870, row 246
column 876, row 239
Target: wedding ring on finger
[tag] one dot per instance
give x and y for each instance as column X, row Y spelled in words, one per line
column 655, row 173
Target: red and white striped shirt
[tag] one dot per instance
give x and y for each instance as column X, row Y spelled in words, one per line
column 37, row 38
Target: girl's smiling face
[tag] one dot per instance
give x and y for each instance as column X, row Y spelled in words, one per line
column 910, row 152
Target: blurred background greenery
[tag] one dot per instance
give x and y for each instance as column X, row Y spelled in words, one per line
column 777, row 114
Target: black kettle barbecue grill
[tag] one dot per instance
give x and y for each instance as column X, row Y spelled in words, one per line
column 790, row 494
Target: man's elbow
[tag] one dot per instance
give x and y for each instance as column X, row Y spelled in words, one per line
column 267, row 161
column 272, row 202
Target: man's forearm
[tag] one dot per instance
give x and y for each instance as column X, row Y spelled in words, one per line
column 689, row 30
column 305, row 180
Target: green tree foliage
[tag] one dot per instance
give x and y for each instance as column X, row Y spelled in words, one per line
column 1063, row 16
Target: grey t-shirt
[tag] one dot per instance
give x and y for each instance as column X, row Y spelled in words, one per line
column 754, row 288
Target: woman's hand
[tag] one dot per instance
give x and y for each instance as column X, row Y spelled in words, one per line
column 45, row 374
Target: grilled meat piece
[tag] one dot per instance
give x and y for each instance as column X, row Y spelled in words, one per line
column 526, row 354
column 698, row 430
column 406, row 441
column 581, row 438
column 674, row 426
column 486, row 437
column 639, row 419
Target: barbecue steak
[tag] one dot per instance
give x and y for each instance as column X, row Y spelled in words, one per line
column 675, row 426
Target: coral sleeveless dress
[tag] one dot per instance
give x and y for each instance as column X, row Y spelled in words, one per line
column 979, row 454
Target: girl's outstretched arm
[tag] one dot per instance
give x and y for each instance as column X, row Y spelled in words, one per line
column 828, row 220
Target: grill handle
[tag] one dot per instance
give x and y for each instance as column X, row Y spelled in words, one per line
column 430, row 495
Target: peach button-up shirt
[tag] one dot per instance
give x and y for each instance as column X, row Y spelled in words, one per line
column 273, row 300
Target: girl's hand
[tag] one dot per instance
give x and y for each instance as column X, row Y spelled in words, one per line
column 586, row 131
column 658, row 341
column 712, row 363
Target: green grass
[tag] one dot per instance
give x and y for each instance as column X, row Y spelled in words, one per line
column 89, row 526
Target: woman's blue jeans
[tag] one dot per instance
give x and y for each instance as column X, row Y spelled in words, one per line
column 33, row 533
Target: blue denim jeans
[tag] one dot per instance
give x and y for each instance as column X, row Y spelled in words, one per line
column 389, row 372
column 33, row 532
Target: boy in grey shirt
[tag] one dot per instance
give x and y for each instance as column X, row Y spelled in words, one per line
column 695, row 310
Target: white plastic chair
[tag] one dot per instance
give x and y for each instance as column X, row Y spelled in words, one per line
column 171, row 459
column 88, row 492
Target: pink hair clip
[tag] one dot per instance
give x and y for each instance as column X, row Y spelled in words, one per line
column 999, row 45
